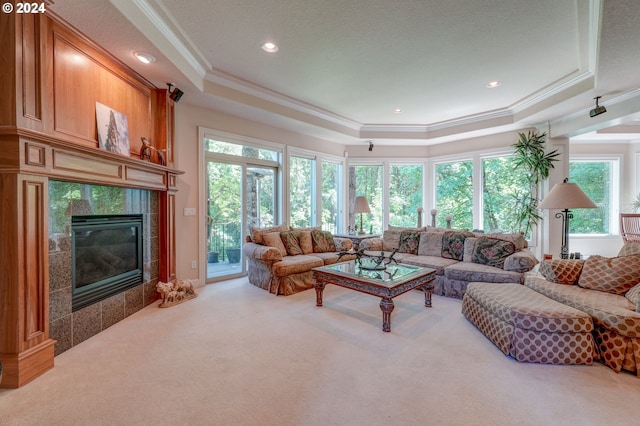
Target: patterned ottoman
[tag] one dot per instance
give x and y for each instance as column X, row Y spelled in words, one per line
column 529, row 326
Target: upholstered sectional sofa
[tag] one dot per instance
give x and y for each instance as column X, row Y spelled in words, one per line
column 607, row 290
column 459, row 257
column 280, row 259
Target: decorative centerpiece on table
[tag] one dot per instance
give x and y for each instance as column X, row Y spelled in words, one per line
column 371, row 262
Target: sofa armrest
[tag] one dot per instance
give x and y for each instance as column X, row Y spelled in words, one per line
column 371, row 244
column 343, row 244
column 260, row 252
column 520, row 261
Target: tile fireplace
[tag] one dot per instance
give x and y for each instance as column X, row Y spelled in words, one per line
column 118, row 229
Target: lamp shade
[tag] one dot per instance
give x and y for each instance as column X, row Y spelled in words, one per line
column 566, row 195
column 361, row 205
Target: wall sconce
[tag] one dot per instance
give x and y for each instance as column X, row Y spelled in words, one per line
column 370, row 145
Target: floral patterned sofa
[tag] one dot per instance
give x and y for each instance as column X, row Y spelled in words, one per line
column 280, row 259
column 608, row 289
column 459, row 257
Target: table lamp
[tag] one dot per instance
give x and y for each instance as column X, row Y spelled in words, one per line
column 361, row 205
column 566, row 196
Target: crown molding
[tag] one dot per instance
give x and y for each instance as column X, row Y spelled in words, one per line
column 235, row 83
column 147, row 20
column 143, row 14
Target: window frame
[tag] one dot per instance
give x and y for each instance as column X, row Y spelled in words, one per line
column 615, row 189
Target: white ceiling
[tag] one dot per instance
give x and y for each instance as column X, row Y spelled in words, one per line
column 344, row 66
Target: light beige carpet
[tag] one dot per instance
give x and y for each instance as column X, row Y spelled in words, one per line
column 237, row 355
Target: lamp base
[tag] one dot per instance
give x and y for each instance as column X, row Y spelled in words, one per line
column 361, row 232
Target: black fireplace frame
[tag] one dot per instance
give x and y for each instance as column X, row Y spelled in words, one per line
column 89, row 294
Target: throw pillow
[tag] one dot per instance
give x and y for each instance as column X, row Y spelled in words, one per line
column 492, row 252
column 469, row 246
column 322, row 241
column 430, row 244
column 291, row 241
column 391, row 237
column 453, row 244
column 306, row 244
column 517, row 238
column 634, row 296
column 615, row 275
column 562, row 271
column 272, row 239
column 257, row 233
column 409, row 242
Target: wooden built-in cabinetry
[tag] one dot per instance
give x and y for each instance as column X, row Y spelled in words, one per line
column 52, row 78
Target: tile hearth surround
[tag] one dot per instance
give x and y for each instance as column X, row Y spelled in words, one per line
column 71, row 328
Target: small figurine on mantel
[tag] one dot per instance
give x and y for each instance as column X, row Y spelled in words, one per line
column 175, row 292
column 145, row 151
column 161, row 160
column 147, row 148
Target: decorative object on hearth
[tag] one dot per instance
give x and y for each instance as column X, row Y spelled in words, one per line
column 566, row 196
column 361, row 205
column 370, row 262
column 113, row 130
column 175, row 292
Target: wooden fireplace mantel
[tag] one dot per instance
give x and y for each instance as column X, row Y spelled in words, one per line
column 62, row 160
column 52, row 79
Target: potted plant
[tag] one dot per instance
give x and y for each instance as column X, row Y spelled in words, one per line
column 530, row 154
column 212, row 257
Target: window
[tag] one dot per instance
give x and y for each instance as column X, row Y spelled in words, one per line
column 405, row 194
column 503, row 188
column 454, row 193
column 366, row 180
column 598, row 179
column 239, row 149
column 331, row 196
column 301, row 192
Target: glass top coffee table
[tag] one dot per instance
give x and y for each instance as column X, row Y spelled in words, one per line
column 388, row 283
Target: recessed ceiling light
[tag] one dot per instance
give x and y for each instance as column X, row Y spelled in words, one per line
column 397, row 111
column 145, row 58
column 269, row 47
column 493, row 84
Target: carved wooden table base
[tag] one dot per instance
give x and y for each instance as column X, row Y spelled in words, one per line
column 421, row 278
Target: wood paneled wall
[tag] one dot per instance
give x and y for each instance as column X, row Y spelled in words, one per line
column 51, row 80
column 54, row 77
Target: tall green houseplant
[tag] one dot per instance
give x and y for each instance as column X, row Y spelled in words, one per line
column 530, row 154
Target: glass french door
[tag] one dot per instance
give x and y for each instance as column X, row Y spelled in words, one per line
column 238, row 196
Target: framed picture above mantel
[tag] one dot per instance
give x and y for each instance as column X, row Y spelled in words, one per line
column 113, row 130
